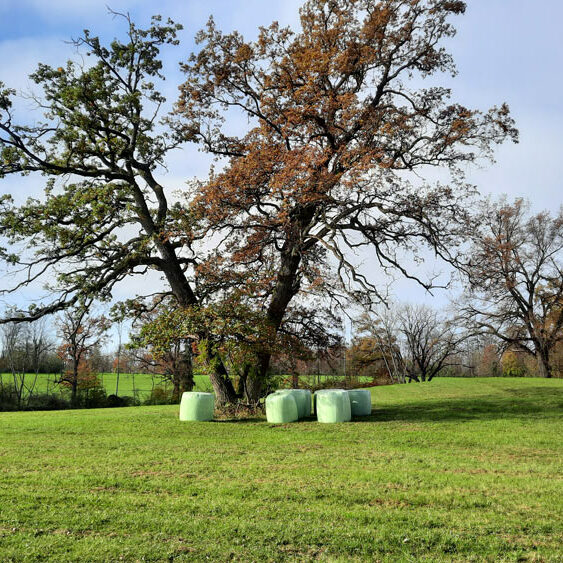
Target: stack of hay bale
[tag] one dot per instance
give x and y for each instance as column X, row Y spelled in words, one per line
column 331, row 405
column 289, row 405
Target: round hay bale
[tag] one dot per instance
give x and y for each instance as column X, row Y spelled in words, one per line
column 281, row 408
column 197, row 406
column 360, row 402
column 333, row 405
column 303, row 398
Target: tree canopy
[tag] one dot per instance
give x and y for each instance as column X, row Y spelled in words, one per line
column 341, row 129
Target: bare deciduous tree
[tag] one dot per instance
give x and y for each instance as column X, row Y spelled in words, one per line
column 429, row 342
column 382, row 328
column 80, row 334
column 516, row 279
column 24, row 346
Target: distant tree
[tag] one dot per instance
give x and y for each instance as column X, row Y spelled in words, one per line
column 162, row 344
column 39, row 346
column 382, row 329
column 513, row 364
column 430, row 343
column 24, row 349
column 118, row 365
column 488, row 362
column 364, row 358
column 515, row 279
column 339, row 126
column 81, row 335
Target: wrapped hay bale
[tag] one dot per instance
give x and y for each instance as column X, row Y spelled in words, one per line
column 281, row 407
column 360, row 402
column 333, row 405
column 197, row 406
column 303, row 398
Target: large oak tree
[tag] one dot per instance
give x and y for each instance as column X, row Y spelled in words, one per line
column 339, row 124
column 102, row 146
column 341, row 128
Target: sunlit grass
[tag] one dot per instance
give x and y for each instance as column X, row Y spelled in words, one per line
column 452, row 470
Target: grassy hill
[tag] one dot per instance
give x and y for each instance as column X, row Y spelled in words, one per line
column 458, row 469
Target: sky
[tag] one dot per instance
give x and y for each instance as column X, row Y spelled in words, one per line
column 505, row 50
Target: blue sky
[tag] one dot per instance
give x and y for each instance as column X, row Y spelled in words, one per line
column 505, row 50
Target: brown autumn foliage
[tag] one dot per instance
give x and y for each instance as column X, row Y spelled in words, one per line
column 86, row 377
column 339, row 122
column 488, row 362
column 364, row 358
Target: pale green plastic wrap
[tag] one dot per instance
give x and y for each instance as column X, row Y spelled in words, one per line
column 197, row 406
column 333, row 405
column 303, row 398
column 360, row 402
column 281, row 408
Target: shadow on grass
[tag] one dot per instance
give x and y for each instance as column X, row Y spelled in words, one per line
column 242, row 419
column 517, row 403
column 514, row 403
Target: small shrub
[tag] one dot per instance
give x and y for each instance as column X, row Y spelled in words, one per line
column 115, row 401
column 92, row 398
column 46, row 402
column 8, row 398
column 273, row 383
column 126, row 401
column 159, row 396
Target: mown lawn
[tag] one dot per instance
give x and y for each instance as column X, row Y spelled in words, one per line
column 458, row 469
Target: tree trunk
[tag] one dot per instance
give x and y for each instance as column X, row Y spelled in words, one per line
column 544, row 367
column 222, row 385
column 186, row 371
column 252, row 390
column 73, row 399
column 241, row 384
column 286, row 287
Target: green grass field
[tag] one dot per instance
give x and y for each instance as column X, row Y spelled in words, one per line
column 130, row 384
column 453, row 470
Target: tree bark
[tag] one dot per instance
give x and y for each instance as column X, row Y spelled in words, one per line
column 222, row 384
column 73, row 399
column 186, row 372
column 252, row 389
column 284, row 291
column 544, row 367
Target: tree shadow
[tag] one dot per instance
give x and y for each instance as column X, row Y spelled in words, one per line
column 235, row 420
column 532, row 401
column 514, row 403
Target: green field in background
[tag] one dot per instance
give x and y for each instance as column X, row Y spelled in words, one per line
column 138, row 384
column 141, row 384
